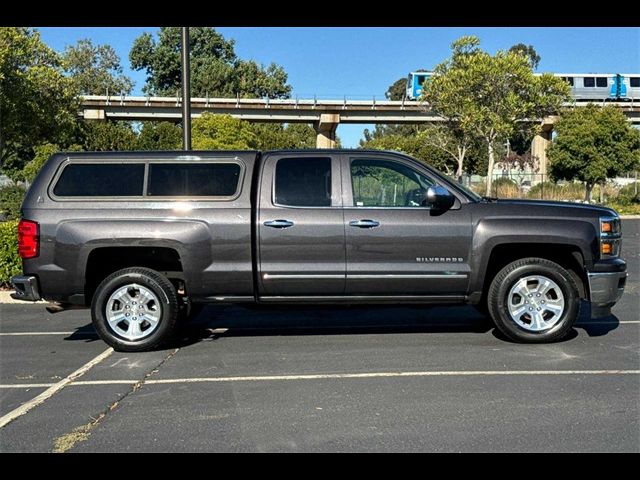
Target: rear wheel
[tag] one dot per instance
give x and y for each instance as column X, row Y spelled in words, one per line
column 135, row 309
column 534, row 300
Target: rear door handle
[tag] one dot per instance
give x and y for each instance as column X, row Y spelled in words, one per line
column 364, row 223
column 278, row 223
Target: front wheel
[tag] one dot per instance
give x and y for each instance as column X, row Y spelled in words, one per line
column 534, row 300
column 135, row 309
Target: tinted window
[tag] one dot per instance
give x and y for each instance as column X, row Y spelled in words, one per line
column 589, row 82
column 303, row 182
column 634, row 81
column 100, row 180
column 569, row 80
column 193, row 179
column 383, row 183
column 601, row 82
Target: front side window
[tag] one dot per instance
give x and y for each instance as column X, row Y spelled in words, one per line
column 601, row 82
column 100, row 180
column 193, row 179
column 634, row 82
column 303, row 182
column 385, row 183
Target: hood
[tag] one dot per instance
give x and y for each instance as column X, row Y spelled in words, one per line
column 583, row 207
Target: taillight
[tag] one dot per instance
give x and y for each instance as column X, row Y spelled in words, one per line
column 28, row 241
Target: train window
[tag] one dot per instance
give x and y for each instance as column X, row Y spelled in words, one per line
column 634, row 81
column 569, row 80
column 589, row 82
column 601, row 82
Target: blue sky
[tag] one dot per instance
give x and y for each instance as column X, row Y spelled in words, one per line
column 362, row 62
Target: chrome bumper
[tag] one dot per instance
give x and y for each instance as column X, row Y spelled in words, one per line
column 605, row 289
column 26, row 287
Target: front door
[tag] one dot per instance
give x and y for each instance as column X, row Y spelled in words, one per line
column 396, row 245
column 301, row 226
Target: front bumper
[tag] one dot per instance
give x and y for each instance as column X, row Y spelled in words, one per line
column 605, row 289
column 26, row 287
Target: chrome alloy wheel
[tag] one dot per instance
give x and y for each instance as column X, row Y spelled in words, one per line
column 536, row 303
column 133, row 311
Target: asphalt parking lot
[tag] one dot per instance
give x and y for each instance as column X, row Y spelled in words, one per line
column 325, row 379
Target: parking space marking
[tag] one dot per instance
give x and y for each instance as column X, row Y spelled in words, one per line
column 325, row 376
column 21, row 334
column 52, row 390
column 223, row 330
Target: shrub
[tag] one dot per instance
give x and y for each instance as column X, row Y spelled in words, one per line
column 10, row 262
column 10, row 202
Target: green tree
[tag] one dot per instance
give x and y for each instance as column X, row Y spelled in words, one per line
column 108, row 136
column 159, row 136
column 95, row 69
column 397, row 90
column 528, row 51
column 222, row 132
column 592, row 144
column 414, row 146
column 37, row 102
column 492, row 97
column 215, row 69
column 273, row 136
column 449, row 138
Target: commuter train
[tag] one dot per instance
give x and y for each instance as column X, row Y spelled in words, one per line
column 584, row 86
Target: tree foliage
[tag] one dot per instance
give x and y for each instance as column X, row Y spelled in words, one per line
column 222, row 132
column 159, row 136
column 272, row 136
column 37, row 102
column 528, row 51
column 593, row 143
column 491, row 97
column 216, row 71
column 95, row 69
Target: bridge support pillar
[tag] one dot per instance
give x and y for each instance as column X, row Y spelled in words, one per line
column 326, row 130
column 541, row 142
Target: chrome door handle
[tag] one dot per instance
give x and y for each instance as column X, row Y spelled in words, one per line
column 278, row 223
column 364, row 223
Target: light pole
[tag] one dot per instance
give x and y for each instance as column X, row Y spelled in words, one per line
column 186, row 90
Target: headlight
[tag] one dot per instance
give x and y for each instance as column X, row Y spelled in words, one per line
column 610, row 237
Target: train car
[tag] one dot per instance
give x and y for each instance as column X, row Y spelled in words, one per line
column 603, row 86
column 415, row 82
column 585, row 87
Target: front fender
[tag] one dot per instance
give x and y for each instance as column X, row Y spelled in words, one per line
column 491, row 232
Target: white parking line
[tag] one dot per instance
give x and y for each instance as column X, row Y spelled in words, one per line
column 23, row 334
column 324, row 376
column 53, row 389
column 223, row 330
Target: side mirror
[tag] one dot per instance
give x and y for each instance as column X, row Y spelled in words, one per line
column 440, row 198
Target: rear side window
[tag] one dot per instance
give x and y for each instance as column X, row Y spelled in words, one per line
column 589, row 82
column 100, row 180
column 634, row 81
column 303, row 182
column 601, row 82
column 193, row 179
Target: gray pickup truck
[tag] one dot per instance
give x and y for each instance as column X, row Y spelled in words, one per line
column 145, row 238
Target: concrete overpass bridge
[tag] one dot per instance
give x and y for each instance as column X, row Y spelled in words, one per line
column 325, row 115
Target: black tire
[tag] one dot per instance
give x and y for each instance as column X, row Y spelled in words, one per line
column 504, row 281
column 159, row 285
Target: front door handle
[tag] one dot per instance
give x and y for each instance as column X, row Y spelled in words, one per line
column 278, row 223
column 364, row 223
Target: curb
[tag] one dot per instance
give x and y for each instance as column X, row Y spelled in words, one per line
column 5, row 298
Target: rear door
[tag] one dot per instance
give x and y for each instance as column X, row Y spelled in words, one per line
column 301, row 237
column 396, row 245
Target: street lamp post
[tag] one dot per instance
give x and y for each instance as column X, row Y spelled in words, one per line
column 186, row 90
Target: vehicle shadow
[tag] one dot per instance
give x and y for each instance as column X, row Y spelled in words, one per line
column 235, row 321
column 217, row 322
